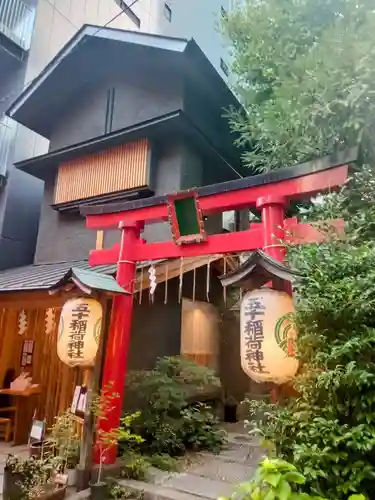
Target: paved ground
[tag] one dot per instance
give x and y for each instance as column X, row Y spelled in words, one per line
column 212, row 477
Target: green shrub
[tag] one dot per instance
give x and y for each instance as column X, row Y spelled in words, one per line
column 201, row 429
column 163, row 462
column 135, row 465
column 169, row 423
column 276, row 479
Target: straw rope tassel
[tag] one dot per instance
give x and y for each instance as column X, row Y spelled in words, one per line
column 166, row 284
column 225, row 288
column 208, row 280
column 194, row 282
column 181, row 279
column 141, row 287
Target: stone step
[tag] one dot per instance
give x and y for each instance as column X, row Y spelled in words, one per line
column 244, row 439
column 199, row 486
column 239, row 453
column 224, row 470
column 157, row 492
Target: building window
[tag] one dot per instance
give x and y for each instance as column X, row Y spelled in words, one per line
column 224, row 67
column 167, row 12
column 129, row 12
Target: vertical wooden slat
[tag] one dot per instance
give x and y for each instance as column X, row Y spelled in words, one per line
column 99, row 240
column 116, row 169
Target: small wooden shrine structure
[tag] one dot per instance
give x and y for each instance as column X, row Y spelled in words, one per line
column 31, row 299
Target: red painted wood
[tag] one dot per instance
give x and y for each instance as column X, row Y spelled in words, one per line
column 273, row 209
column 307, row 185
column 302, row 234
column 117, row 347
column 240, row 241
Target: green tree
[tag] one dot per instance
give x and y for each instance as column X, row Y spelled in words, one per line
column 304, row 70
column 328, row 432
column 305, row 73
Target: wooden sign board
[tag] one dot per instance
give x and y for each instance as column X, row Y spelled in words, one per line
column 79, row 400
column 37, row 430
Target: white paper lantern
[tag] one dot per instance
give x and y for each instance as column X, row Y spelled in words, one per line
column 79, row 331
column 267, row 336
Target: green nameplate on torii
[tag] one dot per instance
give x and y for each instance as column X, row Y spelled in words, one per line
column 185, row 218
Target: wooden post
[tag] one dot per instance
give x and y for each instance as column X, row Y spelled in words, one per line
column 91, row 379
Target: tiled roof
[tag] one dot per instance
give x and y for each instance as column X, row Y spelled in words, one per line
column 46, row 276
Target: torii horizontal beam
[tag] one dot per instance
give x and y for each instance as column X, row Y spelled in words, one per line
column 296, row 182
column 240, row 241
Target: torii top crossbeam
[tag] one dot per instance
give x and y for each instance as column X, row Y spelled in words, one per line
column 261, row 191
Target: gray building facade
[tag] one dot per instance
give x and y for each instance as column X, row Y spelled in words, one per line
column 31, row 34
column 165, row 91
column 20, row 193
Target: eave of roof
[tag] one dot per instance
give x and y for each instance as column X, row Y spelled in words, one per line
column 175, row 122
column 90, row 280
column 85, row 59
column 256, row 271
column 47, row 276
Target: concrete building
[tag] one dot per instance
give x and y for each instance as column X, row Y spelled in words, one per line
column 31, row 34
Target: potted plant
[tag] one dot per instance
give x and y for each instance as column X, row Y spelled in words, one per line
column 31, row 478
column 40, row 449
column 66, row 444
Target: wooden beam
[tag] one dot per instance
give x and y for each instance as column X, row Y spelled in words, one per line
column 296, row 188
column 215, row 244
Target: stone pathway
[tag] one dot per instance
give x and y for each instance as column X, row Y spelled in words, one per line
column 209, row 478
column 214, row 476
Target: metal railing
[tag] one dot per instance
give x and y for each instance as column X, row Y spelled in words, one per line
column 7, row 134
column 17, row 21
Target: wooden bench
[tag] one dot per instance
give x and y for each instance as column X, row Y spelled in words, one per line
column 6, row 428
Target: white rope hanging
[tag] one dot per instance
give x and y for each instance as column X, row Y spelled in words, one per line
column 152, row 281
column 22, row 322
column 49, row 320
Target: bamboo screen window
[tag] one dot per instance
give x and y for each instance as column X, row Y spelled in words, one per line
column 116, row 169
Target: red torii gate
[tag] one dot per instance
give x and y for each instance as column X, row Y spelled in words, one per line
column 270, row 193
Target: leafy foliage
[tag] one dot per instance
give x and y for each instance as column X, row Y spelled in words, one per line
column 305, row 73
column 276, row 480
column 200, row 428
column 65, row 439
column 168, row 422
column 101, row 406
column 34, row 475
column 328, row 432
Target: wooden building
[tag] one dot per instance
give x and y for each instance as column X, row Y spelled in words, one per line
column 128, row 115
